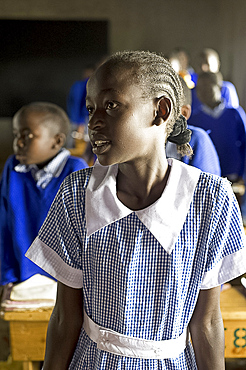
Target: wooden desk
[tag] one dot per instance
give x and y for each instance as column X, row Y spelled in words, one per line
column 28, row 335
column 233, row 309
column 28, row 330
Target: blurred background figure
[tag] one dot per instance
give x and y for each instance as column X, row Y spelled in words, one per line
column 208, row 61
column 204, row 155
column 180, row 60
column 226, row 127
column 29, row 183
column 76, row 107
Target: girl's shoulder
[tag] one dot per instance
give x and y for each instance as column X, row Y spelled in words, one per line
column 77, row 180
column 214, row 186
column 72, row 190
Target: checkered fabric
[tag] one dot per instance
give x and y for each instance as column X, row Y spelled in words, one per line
column 131, row 284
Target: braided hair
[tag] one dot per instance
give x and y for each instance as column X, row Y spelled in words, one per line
column 157, row 77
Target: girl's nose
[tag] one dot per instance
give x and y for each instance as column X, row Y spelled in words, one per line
column 96, row 121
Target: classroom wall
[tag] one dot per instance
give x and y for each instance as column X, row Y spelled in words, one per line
column 156, row 25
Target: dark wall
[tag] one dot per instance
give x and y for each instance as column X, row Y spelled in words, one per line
column 41, row 59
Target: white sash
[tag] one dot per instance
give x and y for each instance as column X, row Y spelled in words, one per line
column 123, row 345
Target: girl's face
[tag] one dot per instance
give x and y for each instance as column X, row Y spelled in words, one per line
column 33, row 142
column 121, row 122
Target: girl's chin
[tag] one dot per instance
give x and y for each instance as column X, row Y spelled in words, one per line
column 106, row 161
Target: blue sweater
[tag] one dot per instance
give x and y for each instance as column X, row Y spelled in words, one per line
column 23, row 208
column 204, row 155
column 76, row 105
column 228, row 134
column 228, row 94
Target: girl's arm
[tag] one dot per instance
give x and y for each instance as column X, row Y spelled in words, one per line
column 207, row 331
column 64, row 328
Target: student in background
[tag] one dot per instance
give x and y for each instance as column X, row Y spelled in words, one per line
column 180, row 61
column 208, row 61
column 139, row 244
column 30, row 180
column 226, row 126
column 204, row 155
column 76, row 107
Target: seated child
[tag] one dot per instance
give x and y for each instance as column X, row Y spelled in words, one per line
column 29, row 183
column 226, row 126
column 140, row 244
column 204, row 155
column 209, row 61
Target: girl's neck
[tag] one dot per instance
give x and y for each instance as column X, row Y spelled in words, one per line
column 140, row 186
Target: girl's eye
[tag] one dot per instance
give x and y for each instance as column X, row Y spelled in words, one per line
column 111, row 105
column 90, row 109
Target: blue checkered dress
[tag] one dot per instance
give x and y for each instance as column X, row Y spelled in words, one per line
column 131, row 284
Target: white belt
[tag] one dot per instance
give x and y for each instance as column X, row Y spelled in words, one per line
column 123, row 345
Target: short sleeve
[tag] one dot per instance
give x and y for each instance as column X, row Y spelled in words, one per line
column 58, row 246
column 226, row 258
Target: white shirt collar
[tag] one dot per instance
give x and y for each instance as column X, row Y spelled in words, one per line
column 164, row 218
column 53, row 169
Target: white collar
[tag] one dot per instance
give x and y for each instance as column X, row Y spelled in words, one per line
column 54, row 167
column 164, row 218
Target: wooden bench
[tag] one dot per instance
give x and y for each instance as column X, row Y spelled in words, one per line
column 28, row 330
column 233, row 309
column 28, row 336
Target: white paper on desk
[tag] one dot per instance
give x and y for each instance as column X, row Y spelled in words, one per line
column 33, row 305
column 37, row 287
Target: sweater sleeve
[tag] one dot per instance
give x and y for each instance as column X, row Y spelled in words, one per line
column 8, row 262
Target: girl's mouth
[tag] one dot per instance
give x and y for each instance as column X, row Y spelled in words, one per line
column 100, row 146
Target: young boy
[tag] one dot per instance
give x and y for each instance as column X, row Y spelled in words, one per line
column 226, row 126
column 30, row 180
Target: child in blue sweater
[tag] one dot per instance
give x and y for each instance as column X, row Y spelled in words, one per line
column 226, row 126
column 29, row 182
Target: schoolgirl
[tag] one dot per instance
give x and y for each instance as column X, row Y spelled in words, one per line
column 139, row 244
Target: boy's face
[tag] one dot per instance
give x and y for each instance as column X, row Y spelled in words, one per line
column 120, row 120
column 208, row 92
column 34, row 142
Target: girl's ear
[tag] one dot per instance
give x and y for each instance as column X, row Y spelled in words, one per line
column 163, row 110
column 60, row 140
